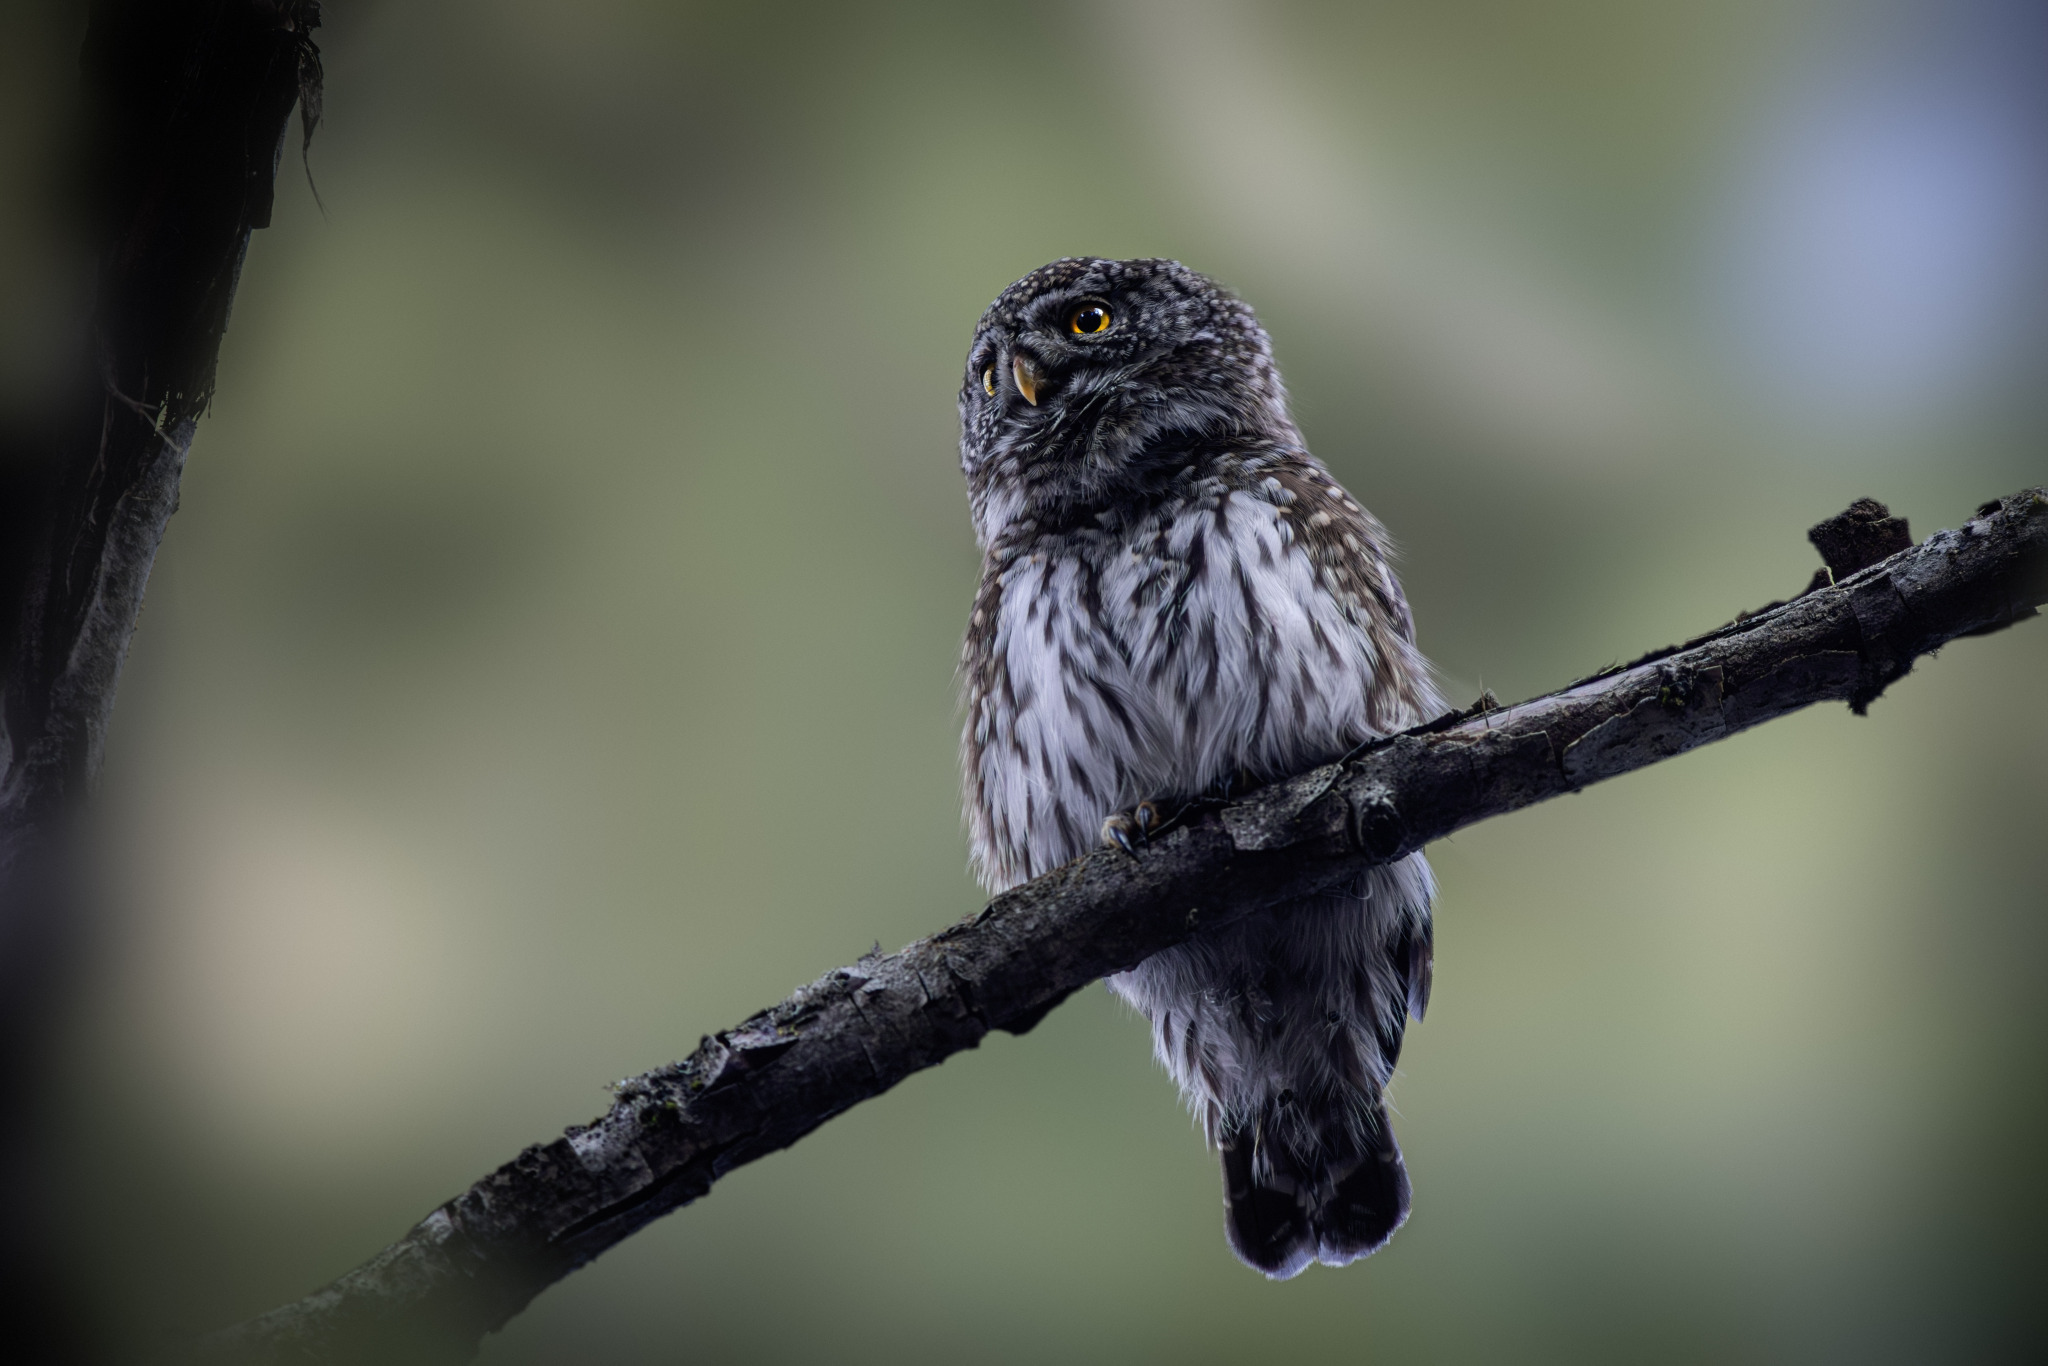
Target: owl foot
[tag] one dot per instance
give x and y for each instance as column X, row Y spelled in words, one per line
column 1126, row 830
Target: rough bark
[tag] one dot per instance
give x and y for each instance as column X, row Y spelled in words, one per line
column 857, row 1031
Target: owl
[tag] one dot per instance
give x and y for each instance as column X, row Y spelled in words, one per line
column 1176, row 597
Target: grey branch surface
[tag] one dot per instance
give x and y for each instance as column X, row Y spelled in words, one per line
column 855, row 1032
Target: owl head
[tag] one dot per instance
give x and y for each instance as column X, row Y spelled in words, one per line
column 1091, row 382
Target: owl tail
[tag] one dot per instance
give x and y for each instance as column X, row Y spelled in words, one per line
column 1306, row 1186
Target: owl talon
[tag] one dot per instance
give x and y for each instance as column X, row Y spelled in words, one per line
column 1126, row 830
column 1117, row 833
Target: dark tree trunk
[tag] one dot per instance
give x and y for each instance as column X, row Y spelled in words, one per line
column 186, row 104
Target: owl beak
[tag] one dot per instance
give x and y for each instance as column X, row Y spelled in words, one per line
column 1027, row 376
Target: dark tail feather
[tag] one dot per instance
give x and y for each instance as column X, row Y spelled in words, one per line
column 1370, row 1202
column 1267, row 1227
column 1332, row 1207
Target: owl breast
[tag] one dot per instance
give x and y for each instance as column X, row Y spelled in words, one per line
column 1218, row 635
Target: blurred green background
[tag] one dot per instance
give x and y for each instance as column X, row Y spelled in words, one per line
column 552, row 662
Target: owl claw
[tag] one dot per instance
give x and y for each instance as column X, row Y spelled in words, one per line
column 1126, row 830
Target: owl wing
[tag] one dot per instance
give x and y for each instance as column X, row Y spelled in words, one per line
column 1353, row 557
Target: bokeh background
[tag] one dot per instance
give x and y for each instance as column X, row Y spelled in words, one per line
column 552, row 662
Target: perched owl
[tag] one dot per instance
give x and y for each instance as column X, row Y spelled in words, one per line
column 1176, row 596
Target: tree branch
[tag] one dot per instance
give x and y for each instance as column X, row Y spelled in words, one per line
column 762, row 1085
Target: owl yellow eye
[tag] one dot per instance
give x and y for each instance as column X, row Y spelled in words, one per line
column 988, row 381
column 1089, row 319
